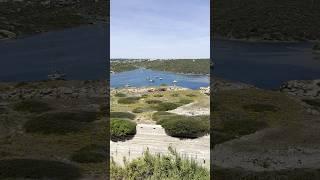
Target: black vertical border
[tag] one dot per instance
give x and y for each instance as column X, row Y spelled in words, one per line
column 108, row 89
column 211, row 84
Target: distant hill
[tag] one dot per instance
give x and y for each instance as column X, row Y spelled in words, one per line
column 283, row 20
column 20, row 18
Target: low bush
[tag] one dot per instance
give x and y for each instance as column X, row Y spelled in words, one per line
column 191, row 95
column 59, row 122
column 170, row 166
column 139, row 110
column 158, row 95
column 316, row 46
column 122, row 115
column 166, row 106
column 175, row 95
column 144, row 96
column 37, row 169
column 122, row 129
column 32, row 106
column 186, row 126
column 312, row 102
column 239, row 124
column 153, row 101
column 261, row 108
column 128, row 100
column 90, row 154
column 120, row 95
column 185, row 101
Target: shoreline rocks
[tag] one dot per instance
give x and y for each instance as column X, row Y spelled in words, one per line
column 54, row 89
column 302, row 88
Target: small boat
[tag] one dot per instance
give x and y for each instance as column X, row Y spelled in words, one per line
column 57, row 76
column 174, row 81
column 160, row 78
column 127, row 85
column 151, row 80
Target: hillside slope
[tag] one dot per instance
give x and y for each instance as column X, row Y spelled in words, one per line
column 285, row 20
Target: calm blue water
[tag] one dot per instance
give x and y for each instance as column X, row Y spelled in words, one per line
column 265, row 65
column 138, row 78
column 80, row 52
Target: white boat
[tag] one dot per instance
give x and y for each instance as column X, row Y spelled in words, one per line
column 160, row 78
column 151, row 80
column 174, row 81
column 127, row 85
column 57, row 76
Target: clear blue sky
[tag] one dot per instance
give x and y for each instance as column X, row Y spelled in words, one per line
column 160, row 29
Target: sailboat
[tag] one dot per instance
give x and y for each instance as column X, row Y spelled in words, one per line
column 57, row 76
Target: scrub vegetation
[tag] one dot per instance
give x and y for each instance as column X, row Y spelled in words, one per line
column 122, row 129
column 53, row 138
column 154, row 108
column 169, row 167
column 242, row 112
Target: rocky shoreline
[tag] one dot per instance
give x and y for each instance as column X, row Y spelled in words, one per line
column 53, row 90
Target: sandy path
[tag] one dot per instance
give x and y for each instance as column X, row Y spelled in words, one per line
column 192, row 109
column 154, row 137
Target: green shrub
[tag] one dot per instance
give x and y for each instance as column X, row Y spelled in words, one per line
column 166, row 106
column 37, row 169
column 261, row 107
column 186, row 126
column 153, row 101
column 122, row 115
column 32, row 106
column 239, row 124
column 120, row 95
column 90, row 154
column 316, row 46
column 171, row 166
column 144, row 96
column 129, row 100
column 122, row 129
column 185, row 101
column 312, row 102
column 191, row 95
column 175, row 95
column 158, row 95
column 138, row 110
column 59, row 122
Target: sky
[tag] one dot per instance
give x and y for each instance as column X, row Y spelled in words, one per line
column 160, row 29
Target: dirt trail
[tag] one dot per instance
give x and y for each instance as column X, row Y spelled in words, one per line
column 154, row 137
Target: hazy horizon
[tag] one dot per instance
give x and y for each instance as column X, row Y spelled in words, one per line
column 167, row 29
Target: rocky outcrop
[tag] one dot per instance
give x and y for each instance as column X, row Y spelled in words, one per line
column 218, row 84
column 302, row 88
column 4, row 34
column 47, row 90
